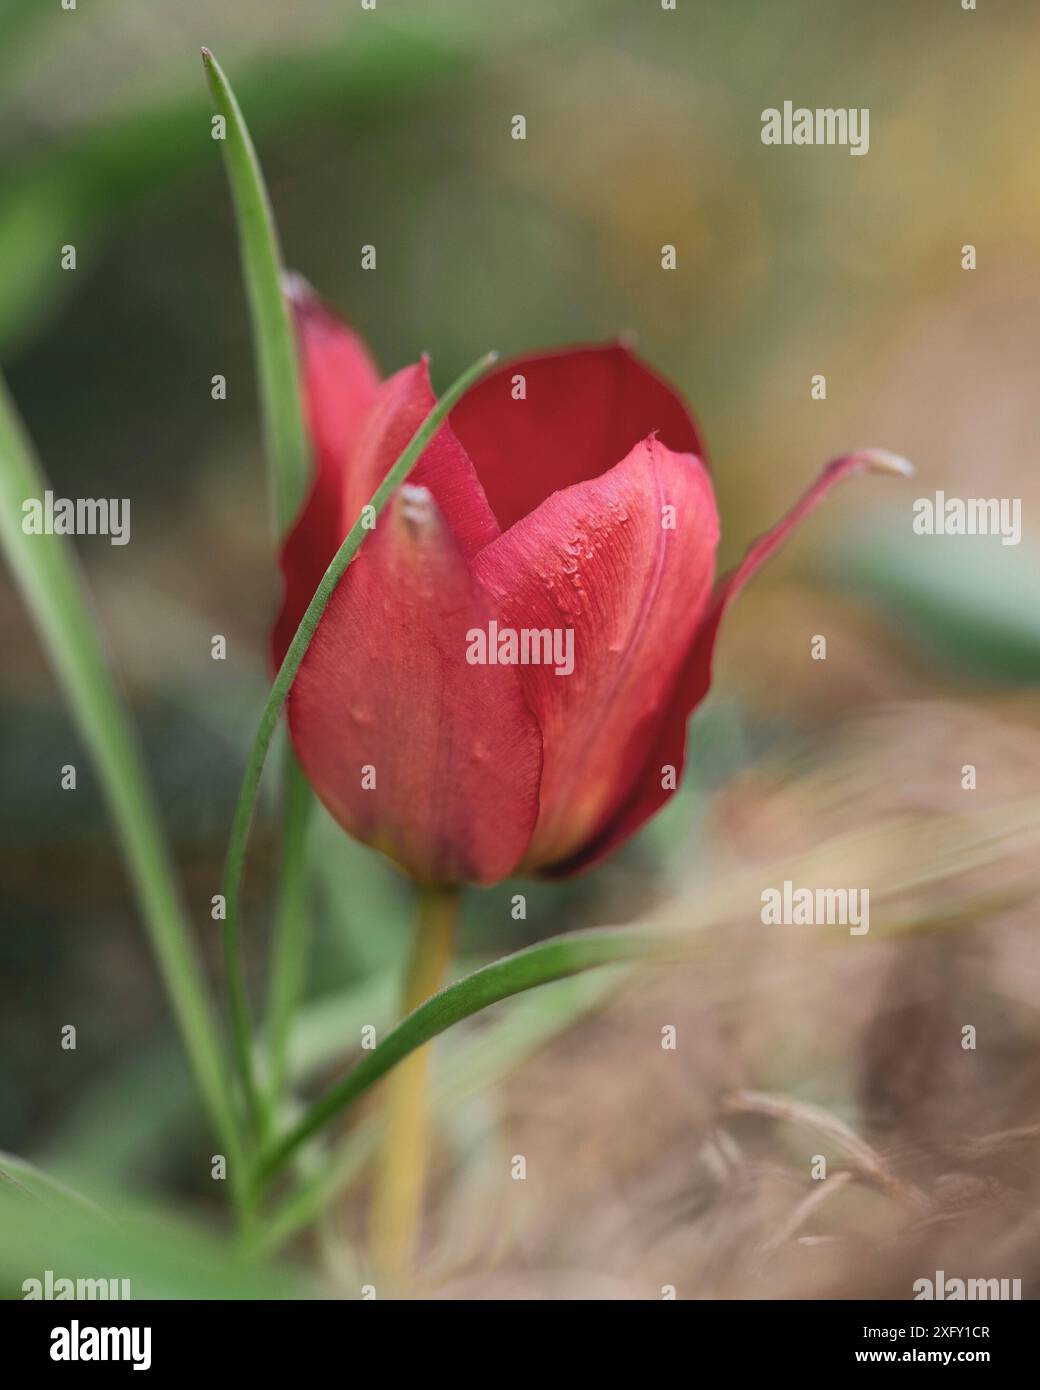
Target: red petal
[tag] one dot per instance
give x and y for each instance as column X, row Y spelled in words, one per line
column 403, row 403
column 585, row 408
column 669, row 748
column 356, row 449
column 340, row 384
column 385, row 682
column 596, row 558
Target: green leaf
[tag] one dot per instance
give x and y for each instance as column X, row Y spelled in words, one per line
column 47, row 574
column 916, row 852
column 26, row 1178
column 555, row 959
column 288, row 457
column 287, row 971
column 479, row 1061
column 161, row 1256
column 273, row 340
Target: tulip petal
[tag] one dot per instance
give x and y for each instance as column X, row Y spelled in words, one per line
column 403, row 403
column 340, row 384
column 601, row 559
column 582, row 410
column 669, row 749
column 385, row 684
column 358, row 428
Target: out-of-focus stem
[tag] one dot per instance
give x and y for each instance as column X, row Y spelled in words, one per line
column 291, row 934
column 403, row 1159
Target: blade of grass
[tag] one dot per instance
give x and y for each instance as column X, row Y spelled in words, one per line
column 47, row 574
column 902, row 856
column 25, row 1177
column 288, row 461
column 528, row 1024
column 285, row 980
column 555, row 959
column 272, row 712
column 280, row 400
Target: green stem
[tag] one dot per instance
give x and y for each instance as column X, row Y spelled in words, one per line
column 46, row 571
column 291, row 934
column 404, row 1154
column 240, row 1017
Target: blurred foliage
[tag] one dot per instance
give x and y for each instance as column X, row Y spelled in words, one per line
column 971, row 602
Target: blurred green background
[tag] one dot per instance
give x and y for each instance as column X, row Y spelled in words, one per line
column 392, row 127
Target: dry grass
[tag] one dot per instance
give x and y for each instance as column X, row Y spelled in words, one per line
column 648, row 1167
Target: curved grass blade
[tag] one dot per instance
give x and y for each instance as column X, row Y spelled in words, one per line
column 25, row 1177
column 524, row 1028
column 45, row 570
column 918, row 853
column 554, row 959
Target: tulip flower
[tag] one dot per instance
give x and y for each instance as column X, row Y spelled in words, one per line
column 500, row 681
column 566, row 498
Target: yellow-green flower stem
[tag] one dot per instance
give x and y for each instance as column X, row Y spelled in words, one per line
column 400, row 1177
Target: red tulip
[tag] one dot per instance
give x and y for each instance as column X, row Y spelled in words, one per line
column 579, row 504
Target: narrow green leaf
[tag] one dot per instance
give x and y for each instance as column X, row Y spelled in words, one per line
column 47, row 574
column 289, row 470
column 22, row 1176
column 527, row 1024
column 280, row 401
column 161, row 1256
column 554, row 959
column 291, row 928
